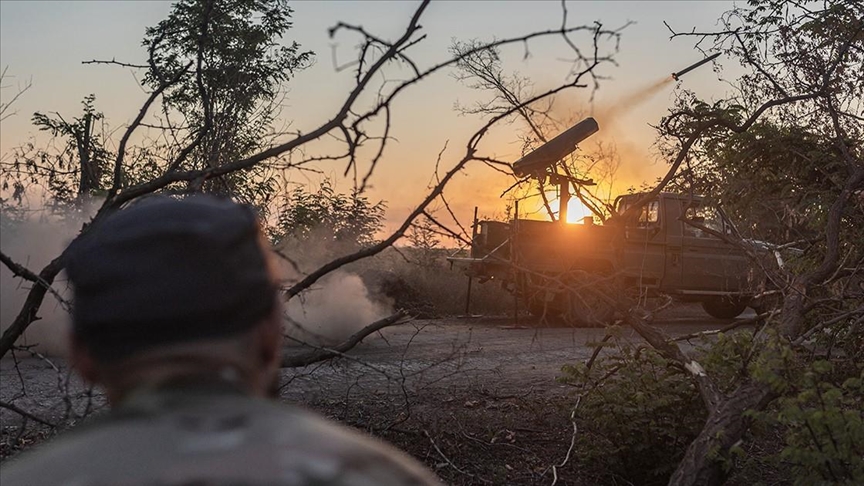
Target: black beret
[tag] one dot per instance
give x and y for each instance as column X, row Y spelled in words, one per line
column 169, row 270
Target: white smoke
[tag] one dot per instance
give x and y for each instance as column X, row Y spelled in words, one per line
column 33, row 243
column 332, row 310
column 336, row 306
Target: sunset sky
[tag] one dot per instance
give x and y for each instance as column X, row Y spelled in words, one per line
column 46, row 41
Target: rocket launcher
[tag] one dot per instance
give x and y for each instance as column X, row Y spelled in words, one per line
column 556, row 149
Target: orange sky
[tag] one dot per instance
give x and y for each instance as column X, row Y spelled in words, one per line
column 424, row 118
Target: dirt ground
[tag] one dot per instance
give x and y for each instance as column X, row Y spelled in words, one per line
column 476, row 399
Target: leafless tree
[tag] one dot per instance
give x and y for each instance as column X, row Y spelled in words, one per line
column 483, row 71
column 5, row 106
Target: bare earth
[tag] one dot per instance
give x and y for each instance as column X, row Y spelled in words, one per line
column 495, row 352
column 476, row 398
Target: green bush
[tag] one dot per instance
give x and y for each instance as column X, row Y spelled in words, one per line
column 823, row 426
column 638, row 413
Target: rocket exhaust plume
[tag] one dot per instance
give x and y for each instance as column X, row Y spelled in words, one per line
column 686, row 70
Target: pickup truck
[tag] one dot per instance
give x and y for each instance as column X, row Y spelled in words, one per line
column 575, row 271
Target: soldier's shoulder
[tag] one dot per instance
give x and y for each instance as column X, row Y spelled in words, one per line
column 31, row 466
column 249, row 441
column 357, row 453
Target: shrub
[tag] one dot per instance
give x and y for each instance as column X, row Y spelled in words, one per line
column 638, row 412
column 823, row 426
column 326, row 215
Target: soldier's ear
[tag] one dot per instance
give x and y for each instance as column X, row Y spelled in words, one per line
column 83, row 361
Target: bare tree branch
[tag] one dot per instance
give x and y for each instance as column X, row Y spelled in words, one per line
column 321, row 354
column 25, row 414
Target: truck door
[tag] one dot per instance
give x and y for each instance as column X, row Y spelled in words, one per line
column 708, row 262
column 643, row 258
column 673, row 274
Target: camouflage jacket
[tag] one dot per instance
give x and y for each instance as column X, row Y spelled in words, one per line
column 212, row 437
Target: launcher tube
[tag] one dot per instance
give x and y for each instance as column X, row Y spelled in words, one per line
column 556, row 149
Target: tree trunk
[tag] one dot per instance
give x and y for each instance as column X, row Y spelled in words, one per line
column 89, row 170
column 31, row 305
column 703, row 462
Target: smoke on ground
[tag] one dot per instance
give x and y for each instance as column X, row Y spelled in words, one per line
column 332, row 310
column 33, row 242
column 336, row 306
column 329, row 312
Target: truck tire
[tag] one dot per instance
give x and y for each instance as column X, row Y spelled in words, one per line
column 533, row 293
column 587, row 309
column 543, row 309
column 724, row 308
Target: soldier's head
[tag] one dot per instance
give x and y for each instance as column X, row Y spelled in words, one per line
column 170, row 290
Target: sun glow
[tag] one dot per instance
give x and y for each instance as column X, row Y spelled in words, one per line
column 576, row 211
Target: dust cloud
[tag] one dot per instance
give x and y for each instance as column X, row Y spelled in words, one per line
column 34, row 242
column 336, row 306
column 329, row 312
column 332, row 310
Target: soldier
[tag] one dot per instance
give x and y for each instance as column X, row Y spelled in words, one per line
column 177, row 316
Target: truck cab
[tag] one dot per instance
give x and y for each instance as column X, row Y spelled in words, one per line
column 663, row 252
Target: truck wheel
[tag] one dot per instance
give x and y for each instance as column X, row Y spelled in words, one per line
column 587, row 309
column 540, row 308
column 724, row 308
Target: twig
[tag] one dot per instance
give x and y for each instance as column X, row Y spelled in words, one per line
column 116, row 63
column 26, row 414
column 597, row 349
column 322, row 354
column 734, row 325
column 19, row 270
column 449, row 462
column 572, row 443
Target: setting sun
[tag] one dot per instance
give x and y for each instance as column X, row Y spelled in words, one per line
column 575, row 209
